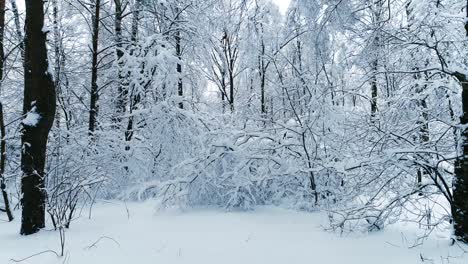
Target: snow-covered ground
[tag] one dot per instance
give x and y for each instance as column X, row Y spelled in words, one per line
column 138, row 234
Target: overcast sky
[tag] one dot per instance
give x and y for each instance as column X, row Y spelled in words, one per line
column 283, row 4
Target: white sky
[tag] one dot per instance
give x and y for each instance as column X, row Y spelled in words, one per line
column 283, row 5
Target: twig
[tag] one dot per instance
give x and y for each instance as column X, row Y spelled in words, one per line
column 101, row 238
column 35, row 255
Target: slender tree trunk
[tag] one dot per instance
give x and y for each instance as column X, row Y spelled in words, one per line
column 376, row 9
column 94, row 97
column 262, row 72
column 230, row 56
column 374, row 91
column 180, row 86
column 2, row 123
column 122, row 91
column 134, row 95
column 39, row 109
column 3, row 162
column 466, row 20
column 59, row 65
column 19, row 33
column 178, row 46
column 231, row 90
column 58, row 54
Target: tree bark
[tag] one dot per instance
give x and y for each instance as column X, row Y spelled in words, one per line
column 180, row 86
column 2, row 123
column 178, row 47
column 374, row 91
column 122, row 90
column 3, row 162
column 460, row 182
column 19, row 33
column 134, row 96
column 39, row 108
column 94, row 97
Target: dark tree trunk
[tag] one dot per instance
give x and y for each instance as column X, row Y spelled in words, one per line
column 262, row 72
column 178, row 47
column 122, row 91
column 230, row 56
column 231, row 90
column 60, row 81
column 180, row 86
column 374, row 91
column 94, row 97
column 466, row 20
column 39, row 109
column 376, row 9
column 460, row 183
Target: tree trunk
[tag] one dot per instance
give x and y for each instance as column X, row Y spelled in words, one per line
column 376, row 9
column 178, row 46
column 180, row 87
column 134, row 96
column 2, row 123
column 122, row 87
column 3, row 161
column 39, row 110
column 262, row 71
column 374, row 91
column 94, row 97
column 19, row 33
column 57, row 63
column 460, row 182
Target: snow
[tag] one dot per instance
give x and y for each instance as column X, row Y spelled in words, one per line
column 45, row 29
column 137, row 233
column 32, row 118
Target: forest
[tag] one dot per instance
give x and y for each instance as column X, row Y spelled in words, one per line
column 233, row 131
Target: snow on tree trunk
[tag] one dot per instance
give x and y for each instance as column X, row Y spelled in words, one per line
column 39, row 108
column 94, row 97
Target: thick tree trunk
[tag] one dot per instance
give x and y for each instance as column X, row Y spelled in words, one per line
column 39, row 109
column 94, row 97
column 460, row 183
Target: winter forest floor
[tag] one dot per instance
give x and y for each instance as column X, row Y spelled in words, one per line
column 137, row 233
